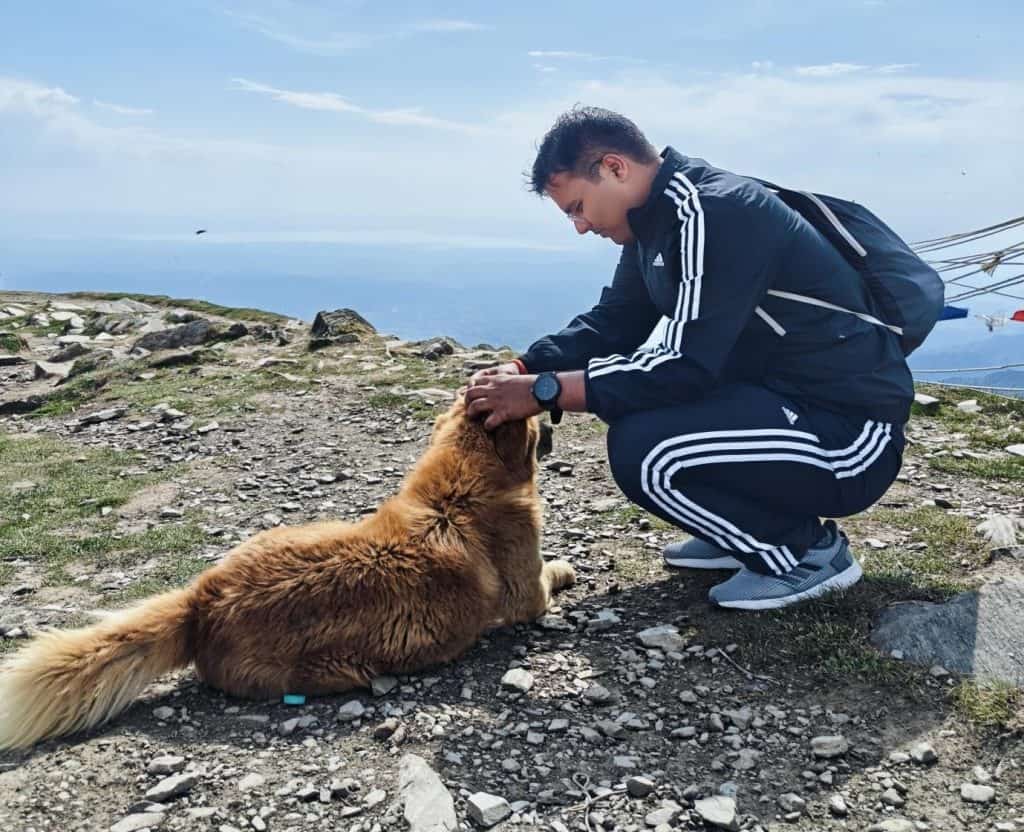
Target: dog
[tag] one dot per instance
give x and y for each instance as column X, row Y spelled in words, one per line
column 325, row 607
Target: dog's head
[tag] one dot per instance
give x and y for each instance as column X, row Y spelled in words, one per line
column 512, row 449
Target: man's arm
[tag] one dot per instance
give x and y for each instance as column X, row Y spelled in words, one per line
column 622, row 319
column 723, row 250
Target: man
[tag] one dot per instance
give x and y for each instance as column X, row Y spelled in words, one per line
column 757, row 413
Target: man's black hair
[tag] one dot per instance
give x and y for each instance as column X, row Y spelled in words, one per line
column 579, row 140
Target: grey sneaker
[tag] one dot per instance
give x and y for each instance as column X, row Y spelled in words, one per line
column 825, row 568
column 698, row 554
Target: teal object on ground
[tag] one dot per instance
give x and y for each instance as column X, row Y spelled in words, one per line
column 294, row 699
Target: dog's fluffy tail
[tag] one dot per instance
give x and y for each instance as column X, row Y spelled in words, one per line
column 71, row 680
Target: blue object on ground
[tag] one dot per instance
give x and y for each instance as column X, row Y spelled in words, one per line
column 294, row 699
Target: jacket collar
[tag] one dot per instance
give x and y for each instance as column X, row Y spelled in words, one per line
column 641, row 218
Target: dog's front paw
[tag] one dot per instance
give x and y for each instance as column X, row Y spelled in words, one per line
column 559, row 574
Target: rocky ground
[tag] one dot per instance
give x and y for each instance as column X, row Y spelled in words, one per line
column 140, row 438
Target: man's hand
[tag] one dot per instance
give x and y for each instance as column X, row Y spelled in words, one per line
column 501, row 397
column 509, row 369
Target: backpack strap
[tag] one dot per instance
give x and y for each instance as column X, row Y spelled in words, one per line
column 864, row 316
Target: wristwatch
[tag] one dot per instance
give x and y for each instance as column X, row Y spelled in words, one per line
column 546, row 390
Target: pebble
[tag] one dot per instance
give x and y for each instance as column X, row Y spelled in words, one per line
column 383, row 685
column 598, row 694
column 163, row 713
column 166, row 765
column 893, row 825
column 176, row 784
column 146, row 820
column 923, row 753
column 351, row 711
column 665, row 637
column 487, row 809
column 891, row 797
column 639, row 786
column 251, row 781
column 517, row 679
column 718, row 811
column 827, row 747
column 973, row 793
column 837, row 806
column 792, row 802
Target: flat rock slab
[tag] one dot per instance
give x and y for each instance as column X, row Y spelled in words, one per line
column 978, row 632
column 428, row 804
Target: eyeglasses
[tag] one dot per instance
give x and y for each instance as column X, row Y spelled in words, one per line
column 576, row 217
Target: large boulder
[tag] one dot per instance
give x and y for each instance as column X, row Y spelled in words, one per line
column 977, row 632
column 189, row 335
column 341, row 322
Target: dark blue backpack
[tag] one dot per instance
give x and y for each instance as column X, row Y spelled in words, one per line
column 908, row 293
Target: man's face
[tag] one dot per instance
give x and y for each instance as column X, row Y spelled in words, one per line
column 598, row 206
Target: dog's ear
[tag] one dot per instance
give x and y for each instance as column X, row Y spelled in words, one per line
column 545, row 439
column 515, row 444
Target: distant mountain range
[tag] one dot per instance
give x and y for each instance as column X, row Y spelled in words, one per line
column 989, row 352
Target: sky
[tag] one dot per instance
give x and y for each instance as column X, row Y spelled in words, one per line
column 404, row 129
column 402, row 123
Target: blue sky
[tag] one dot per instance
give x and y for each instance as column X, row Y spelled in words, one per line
column 409, row 122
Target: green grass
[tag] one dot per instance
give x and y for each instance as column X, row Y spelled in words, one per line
column 830, row 637
column 202, row 395
column 201, row 306
column 1000, row 423
column 996, row 705
column 170, row 573
column 10, row 342
column 949, row 540
column 997, row 468
column 58, row 523
column 631, row 514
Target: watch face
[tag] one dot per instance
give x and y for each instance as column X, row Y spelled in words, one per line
column 546, row 388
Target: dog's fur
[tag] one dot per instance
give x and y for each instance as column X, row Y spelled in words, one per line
column 324, row 607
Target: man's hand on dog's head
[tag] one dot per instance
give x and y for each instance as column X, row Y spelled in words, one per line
column 508, row 369
column 500, row 397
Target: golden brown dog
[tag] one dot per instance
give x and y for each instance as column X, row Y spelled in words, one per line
column 320, row 608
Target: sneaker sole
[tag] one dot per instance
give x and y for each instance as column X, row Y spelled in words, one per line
column 843, row 580
column 724, row 562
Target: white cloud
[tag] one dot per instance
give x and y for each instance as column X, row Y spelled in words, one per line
column 329, row 45
column 332, row 102
column 63, row 122
column 829, row 70
column 324, row 101
column 317, row 32
column 35, row 99
column 896, row 141
column 545, row 68
column 121, row 110
column 890, row 68
column 449, row 26
column 556, row 54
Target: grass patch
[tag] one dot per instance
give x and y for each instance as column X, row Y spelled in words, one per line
column 829, row 638
column 171, row 573
column 997, row 468
column 412, row 405
column 631, row 514
column 10, row 342
column 58, row 522
column 949, row 541
column 201, row 395
column 1000, row 423
column 196, row 305
column 989, row 704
